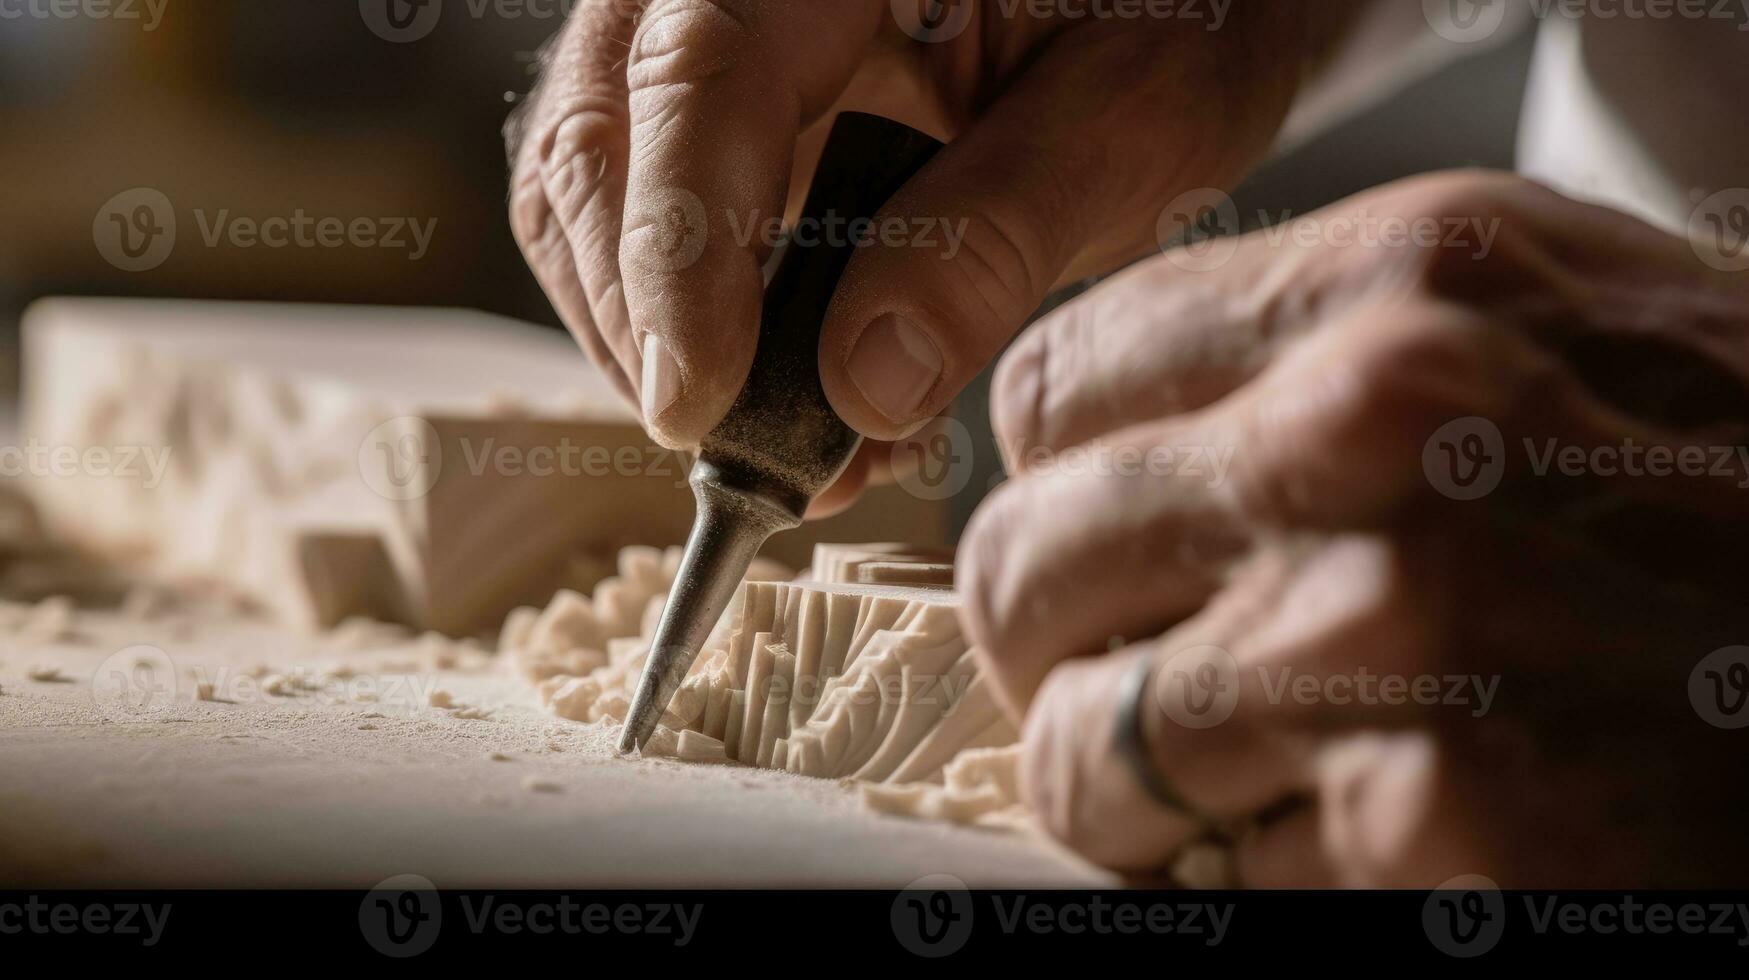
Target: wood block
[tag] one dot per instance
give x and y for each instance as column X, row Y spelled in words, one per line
column 272, row 443
column 844, row 562
column 895, row 700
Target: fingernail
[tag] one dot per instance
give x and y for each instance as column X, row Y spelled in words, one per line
column 661, row 377
column 895, row 366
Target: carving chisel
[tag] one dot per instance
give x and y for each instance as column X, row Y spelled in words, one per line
column 780, row 445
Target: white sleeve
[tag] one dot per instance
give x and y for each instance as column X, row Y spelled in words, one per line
column 1396, row 43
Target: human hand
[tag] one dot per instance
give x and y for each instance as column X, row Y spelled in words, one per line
column 1068, row 136
column 1366, row 399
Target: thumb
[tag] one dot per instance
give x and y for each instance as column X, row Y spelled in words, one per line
column 1063, row 177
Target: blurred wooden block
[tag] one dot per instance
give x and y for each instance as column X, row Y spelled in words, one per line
column 436, row 467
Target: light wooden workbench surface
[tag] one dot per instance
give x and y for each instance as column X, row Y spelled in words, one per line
column 330, row 788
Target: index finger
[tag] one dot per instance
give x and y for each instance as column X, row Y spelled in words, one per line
column 719, row 90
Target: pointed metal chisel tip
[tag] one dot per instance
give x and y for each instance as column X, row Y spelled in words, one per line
column 726, row 535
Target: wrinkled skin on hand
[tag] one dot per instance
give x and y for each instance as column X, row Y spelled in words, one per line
column 1336, row 546
column 663, row 132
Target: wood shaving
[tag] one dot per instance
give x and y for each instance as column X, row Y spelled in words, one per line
column 49, row 621
column 149, row 602
column 280, row 685
column 364, row 633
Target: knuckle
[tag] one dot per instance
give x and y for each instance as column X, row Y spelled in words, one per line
column 979, row 564
column 1461, row 193
column 996, row 266
column 1353, row 402
column 1017, row 395
column 528, row 206
column 1473, row 207
column 586, row 143
column 587, row 128
column 683, row 42
column 1418, row 359
column 1385, row 378
column 1380, row 606
column 1045, row 385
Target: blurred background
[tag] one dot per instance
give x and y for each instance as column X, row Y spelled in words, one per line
column 268, row 108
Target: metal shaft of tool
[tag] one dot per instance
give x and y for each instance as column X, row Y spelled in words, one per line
column 781, row 444
column 732, row 524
